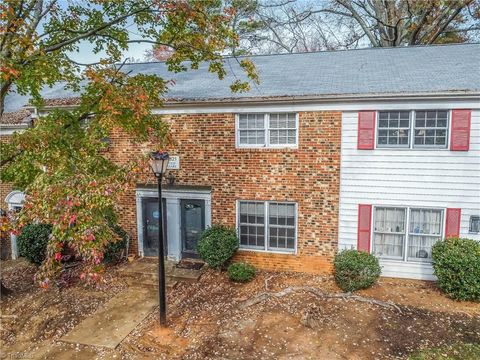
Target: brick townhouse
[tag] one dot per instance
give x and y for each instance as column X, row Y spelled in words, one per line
column 375, row 149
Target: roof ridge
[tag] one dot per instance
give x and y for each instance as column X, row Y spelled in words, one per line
column 372, row 48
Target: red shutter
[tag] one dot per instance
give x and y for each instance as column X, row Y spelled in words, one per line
column 364, row 227
column 460, row 130
column 452, row 227
column 366, row 130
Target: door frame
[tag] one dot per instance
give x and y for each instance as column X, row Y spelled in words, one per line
column 185, row 253
column 14, row 200
column 173, row 215
column 144, row 220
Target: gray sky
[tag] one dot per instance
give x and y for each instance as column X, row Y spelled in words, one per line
column 86, row 55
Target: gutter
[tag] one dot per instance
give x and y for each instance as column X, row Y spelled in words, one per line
column 9, row 129
column 332, row 98
column 300, row 99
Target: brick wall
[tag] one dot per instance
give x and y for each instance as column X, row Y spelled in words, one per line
column 308, row 175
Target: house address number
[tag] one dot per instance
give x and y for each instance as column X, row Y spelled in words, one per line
column 174, row 163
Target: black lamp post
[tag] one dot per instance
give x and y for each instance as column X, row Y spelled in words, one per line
column 159, row 163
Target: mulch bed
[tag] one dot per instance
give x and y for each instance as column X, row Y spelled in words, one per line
column 208, row 319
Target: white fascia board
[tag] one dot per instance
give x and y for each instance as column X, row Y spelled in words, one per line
column 421, row 103
column 10, row 130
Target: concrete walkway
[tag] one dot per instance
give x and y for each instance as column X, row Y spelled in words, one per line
column 115, row 320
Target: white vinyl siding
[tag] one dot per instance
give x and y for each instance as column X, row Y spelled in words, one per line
column 266, row 130
column 414, row 178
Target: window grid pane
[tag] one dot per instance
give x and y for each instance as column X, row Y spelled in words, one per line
column 251, row 129
column 425, row 229
column 393, row 129
column 281, row 223
column 389, row 232
column 282, row 129
column 252, row 137
column 251, row 121
column 281, row 226
column 431, row 128
column 252, row 224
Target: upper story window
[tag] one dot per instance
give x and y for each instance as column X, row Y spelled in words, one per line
column 267, row 130
column 251, row 129
column 431, row 128
column 393, row 129
column 412, row 129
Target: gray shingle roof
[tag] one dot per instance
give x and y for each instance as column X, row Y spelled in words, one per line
column 22, row 116
column 363, row 72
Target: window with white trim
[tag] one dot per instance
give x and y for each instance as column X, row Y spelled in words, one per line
column 428, row 129
column 431, row 128
column 389, row 232
column 251, row 229
column 425, row 229
column 391, row 238
column 267, row 130
column 282, row 129
column 267, row 225
column 251, row 129
column 393, row 129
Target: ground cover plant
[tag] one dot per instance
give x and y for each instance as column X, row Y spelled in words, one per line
column 241, row 272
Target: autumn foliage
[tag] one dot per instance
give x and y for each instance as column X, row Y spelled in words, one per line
column 61, row 162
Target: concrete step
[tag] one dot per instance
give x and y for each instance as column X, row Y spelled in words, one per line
column 151, row 283
column 145, row 271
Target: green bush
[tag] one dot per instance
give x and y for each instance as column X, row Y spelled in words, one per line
column 115, row 250
column 241, row 272
column 217, row 245
column 32, row 242
column 456, row 263
column 356, row 270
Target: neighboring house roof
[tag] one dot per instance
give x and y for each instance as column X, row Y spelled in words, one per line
column 398, row 71
column 16, row 118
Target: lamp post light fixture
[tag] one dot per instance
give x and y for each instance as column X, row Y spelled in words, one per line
column 159, row 163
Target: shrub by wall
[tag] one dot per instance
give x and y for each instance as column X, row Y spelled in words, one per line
column 115, row 250
column 32, row 242
column 355, row 270
column 217, row 245
column 456, row 263
column 241, row 272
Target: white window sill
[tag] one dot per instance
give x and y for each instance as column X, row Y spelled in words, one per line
column 286, row 252
column 280, row 147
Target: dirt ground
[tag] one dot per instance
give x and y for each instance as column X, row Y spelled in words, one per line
column 210, row 320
